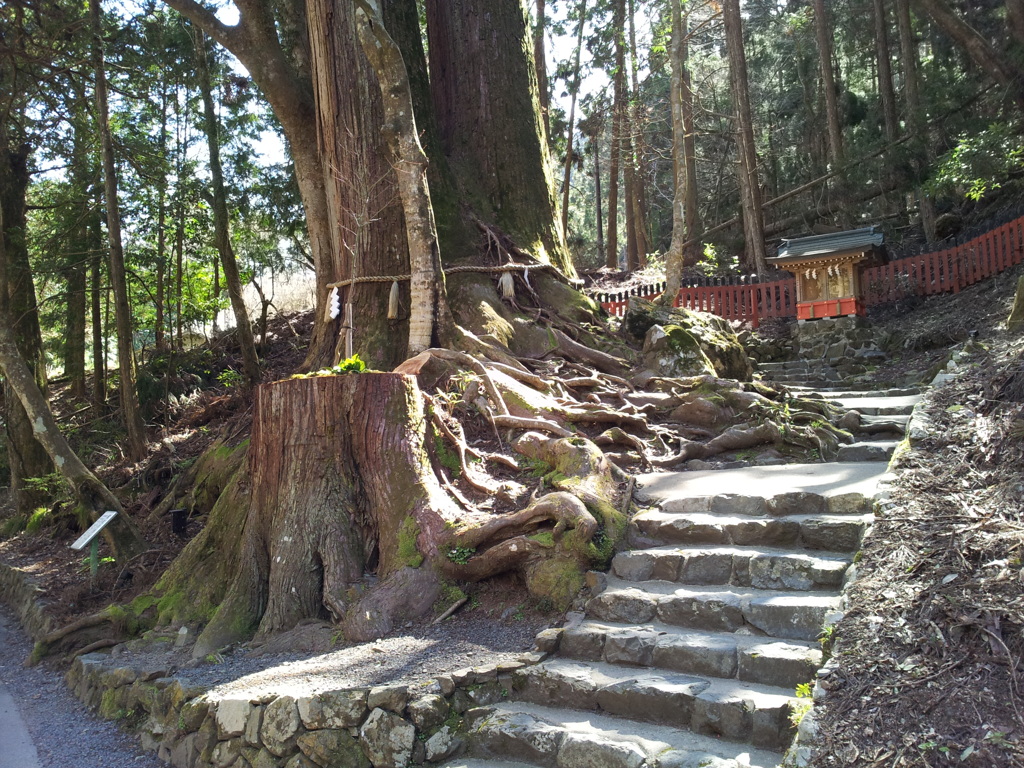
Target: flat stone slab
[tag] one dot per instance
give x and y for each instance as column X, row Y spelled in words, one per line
column 833, row 479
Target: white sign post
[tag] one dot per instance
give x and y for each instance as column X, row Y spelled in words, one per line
column 91, row 537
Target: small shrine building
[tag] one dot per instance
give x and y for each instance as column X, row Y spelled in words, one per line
column 828, row 270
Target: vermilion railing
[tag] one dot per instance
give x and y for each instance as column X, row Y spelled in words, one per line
column 949, row 268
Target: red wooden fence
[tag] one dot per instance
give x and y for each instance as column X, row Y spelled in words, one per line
column 948, row 269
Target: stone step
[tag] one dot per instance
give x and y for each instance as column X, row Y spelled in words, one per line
column 782, row 614
column 563, row 738
column 750, row 658
column 785, row 365
column 893, row 422
column 793, row 503
column 875, row 450
column 790, row 484
column 759, row 567
column 877, row 406
column 848, row 393
column 731, row 709
column 473, row 762
column 834, row 533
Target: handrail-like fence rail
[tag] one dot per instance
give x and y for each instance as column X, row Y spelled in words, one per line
column 945, row 268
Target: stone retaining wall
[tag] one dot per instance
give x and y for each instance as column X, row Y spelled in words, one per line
column 24, row 597
column 386, row 727
column 846, row 343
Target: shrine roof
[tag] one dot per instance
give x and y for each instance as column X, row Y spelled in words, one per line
column 865, row 239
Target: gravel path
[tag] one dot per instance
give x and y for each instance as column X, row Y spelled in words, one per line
column 64, row 732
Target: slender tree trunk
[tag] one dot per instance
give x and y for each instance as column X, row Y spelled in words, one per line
column 1015, row 19
column 998, row 67
column 81, row 247
column 618, row 29
column 581, row 11
column 598, row 201
column 638, row 153
column 159, row 331
column 750, row 188
column 915, row 118
column 221, row 223
column 410, row 162
column 628, row 179
column 540, row 62
column 99, row 358
column 685, row 217
column 131, row 414
column 18, row 299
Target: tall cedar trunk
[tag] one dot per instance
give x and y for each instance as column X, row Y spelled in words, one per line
column 639, row 151
column 26, row 456
column 750, row 188
column 618, row 82
column 23, row 387
column 999, row 68
column 367, row 227
column 823, row 33
column 914, row 117
column 540, row 62
column 581, row 12
column 410, row 163
column 221, row 224
column 338, row 476
column 131, row 414
column 885, row 87
column 483, row 85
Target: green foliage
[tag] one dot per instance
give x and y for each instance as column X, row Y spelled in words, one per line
column 351, row 365
column 37, row 520
column 408, row 553
column 51, row 486
column 802, row 705
column 448, row 458
column 460, row 555
column 13, row 525
column 230, row 378
column 980, row 161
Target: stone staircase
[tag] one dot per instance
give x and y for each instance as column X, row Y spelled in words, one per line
column 692, row 647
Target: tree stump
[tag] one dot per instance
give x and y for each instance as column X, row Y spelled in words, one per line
column 340, row 483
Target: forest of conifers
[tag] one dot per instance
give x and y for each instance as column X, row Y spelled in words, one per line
column 139, row 197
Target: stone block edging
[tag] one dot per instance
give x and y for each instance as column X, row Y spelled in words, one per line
column 388, row 726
